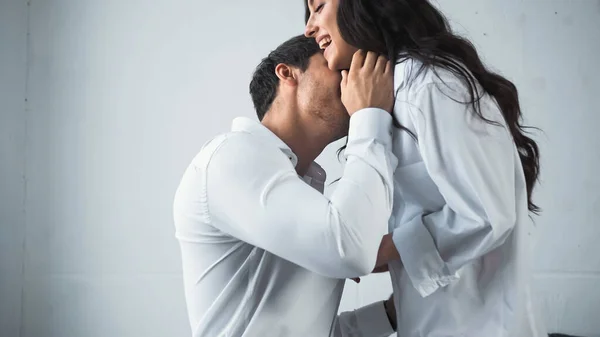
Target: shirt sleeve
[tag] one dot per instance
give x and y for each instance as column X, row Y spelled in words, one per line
column 368, row 321
column 255, row 195
column 473, row 165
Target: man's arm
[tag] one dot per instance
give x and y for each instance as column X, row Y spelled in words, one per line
column 374, row 320
column 254, row 194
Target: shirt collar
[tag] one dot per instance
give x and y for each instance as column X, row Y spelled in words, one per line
column 315, row 172
column 257, row 129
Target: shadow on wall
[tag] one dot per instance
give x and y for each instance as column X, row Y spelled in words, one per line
column 561, row 335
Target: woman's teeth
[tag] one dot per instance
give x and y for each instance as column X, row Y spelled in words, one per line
column 324, row 42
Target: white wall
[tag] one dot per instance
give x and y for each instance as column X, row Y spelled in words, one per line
column 550, row 49
column 13, row 70
column 121, row 95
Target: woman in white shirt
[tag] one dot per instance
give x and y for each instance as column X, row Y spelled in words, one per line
column 459, row 247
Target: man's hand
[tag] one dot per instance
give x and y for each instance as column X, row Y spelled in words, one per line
column 368, row 84
column 387, row 252
column 381, row 269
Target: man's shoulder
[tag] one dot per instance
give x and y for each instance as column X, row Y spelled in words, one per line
column 227, row 141
column 237, row 146
column 223, row 142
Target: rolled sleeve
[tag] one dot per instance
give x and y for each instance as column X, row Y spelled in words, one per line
column 424, row 265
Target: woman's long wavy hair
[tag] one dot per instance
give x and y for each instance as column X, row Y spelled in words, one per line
column 403, row 29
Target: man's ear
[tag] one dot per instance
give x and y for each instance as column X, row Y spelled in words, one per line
column 287, row 74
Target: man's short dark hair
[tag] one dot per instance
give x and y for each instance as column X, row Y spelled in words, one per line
column 295, row 52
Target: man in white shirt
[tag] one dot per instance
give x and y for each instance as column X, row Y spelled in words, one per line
column 264, row 252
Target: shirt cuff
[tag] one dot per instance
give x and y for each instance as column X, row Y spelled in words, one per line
column 371, row 123
column 372, row 320
column 425, row 267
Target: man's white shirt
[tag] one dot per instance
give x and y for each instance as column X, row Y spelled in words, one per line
column 264, row 252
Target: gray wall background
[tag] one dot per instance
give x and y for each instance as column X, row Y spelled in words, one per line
column 104, row 103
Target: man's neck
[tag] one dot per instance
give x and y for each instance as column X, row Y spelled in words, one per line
column 302, row 136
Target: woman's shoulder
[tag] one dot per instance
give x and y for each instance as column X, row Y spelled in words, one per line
column 411, row 75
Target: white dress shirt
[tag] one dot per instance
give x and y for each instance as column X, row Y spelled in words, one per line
column 264, row 252
column 460, row 220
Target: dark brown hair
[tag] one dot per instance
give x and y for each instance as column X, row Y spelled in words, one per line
column 403, row 29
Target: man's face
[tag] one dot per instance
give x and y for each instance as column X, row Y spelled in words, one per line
column 319, row 95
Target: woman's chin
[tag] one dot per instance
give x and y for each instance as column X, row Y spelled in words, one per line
column 334, row 64
column 338, row 64
column 331, row 66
